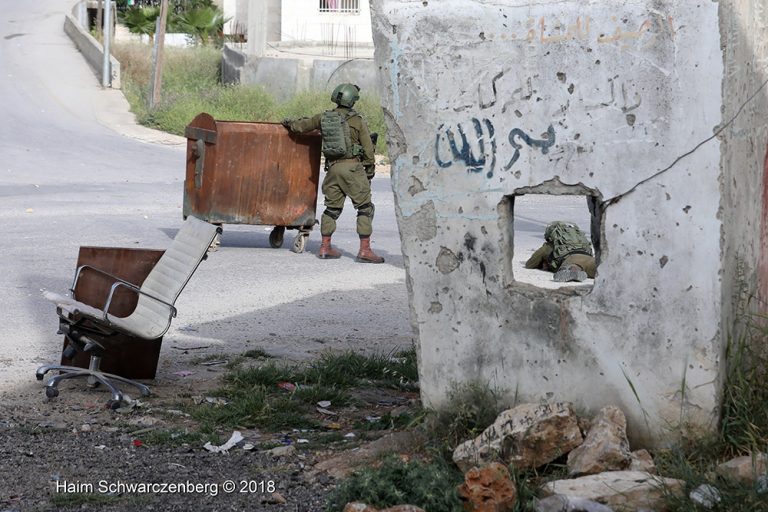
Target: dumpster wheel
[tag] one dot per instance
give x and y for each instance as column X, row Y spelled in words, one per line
column 276, row 237
column 299, row 242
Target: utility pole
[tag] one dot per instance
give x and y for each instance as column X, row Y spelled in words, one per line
column 157, row 57
column 106, row 71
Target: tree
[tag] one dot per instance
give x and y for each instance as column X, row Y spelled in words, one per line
column 141, row 20
column 201, row 22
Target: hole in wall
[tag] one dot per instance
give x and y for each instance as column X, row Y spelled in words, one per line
column 528, row 216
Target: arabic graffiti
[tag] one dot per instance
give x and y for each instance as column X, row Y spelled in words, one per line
column 625, row 104
column 546, row 31
column 483, row 156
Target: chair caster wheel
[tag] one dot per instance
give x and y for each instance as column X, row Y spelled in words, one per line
column 39, row 376
column 51, row 392
column 112, row 405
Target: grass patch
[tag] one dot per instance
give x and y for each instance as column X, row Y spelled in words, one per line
column 191, row 85
column 256, row 399
column 743, row 431
column 429, row 485
column 469, row 410
column 257, row 353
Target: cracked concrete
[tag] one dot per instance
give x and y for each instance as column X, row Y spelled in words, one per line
column 554, row 99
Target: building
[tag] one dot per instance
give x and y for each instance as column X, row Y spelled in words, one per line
column 292, row 45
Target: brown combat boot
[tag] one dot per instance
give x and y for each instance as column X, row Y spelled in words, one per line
column 327, row 252
column 366, row 255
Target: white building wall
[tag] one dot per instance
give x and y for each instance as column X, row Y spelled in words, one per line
column 302, row 22
column 617, row 99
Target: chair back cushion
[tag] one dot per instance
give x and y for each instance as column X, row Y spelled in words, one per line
column 167, row 279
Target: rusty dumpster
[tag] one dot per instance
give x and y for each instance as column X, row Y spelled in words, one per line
column 252, row 173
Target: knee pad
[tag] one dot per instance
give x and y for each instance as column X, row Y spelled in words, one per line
column 366, row 210
column 333, row 213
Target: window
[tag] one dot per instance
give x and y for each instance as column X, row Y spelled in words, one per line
column 529, row 215
column 342, row 6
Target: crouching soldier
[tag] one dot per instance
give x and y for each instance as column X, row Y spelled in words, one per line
column 566, row 252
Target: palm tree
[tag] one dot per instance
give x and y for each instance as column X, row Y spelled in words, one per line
column 201, row 22
column 141, row 20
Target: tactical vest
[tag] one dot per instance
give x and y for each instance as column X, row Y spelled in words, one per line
column 565, row 238
column 337, row 142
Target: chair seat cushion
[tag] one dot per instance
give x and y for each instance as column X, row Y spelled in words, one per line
column 73, row 310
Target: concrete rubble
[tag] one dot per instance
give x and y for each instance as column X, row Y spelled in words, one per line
column 744, row 469
column 620, row 490
column 527, row 436
column 605, row 448
column 560, row 503
column 612, row 477
column 488, row 489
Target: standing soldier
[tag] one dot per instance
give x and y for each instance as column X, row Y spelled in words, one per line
column 349, row 166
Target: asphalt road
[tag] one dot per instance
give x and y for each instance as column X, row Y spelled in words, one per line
column 71, row 177
column 77, row 171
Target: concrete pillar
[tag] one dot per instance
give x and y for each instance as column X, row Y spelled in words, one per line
column 487, row 101
column 257, row 27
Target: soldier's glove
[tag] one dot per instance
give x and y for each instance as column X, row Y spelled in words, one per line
column 287, row 123
column 370, row 171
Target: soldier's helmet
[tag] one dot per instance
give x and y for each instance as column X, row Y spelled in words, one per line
column 345, row 95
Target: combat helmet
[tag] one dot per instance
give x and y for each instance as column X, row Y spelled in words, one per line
column 345, row 95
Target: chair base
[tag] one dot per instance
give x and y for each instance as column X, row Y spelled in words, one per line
column 94, row 376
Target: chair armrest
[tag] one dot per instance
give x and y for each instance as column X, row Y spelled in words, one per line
column 117, row 284
column 102, row 272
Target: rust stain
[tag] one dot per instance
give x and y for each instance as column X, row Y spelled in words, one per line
column 762, row 269
column 253, row 173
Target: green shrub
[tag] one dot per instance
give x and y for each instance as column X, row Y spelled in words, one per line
column 191, row 85
column 470, row 409
column 429, row 485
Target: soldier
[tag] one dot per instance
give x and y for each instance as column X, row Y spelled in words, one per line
column 349, row 167
column 566, row 252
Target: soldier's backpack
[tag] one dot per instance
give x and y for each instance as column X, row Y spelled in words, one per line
column 336, row 139
column 565, row 238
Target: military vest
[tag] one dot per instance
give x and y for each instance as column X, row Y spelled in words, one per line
column 565, row 238
column 337, row 142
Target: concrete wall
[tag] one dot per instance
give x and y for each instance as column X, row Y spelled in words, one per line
column 744, row 24
column 284, row 77
column 90, row 47
column 303, row 22
column 575, row 96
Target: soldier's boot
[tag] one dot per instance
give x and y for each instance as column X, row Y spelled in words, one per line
column 327, row 252
column 365, row 254
column 571, row 273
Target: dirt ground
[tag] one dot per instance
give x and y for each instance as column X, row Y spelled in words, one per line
column 72, row 453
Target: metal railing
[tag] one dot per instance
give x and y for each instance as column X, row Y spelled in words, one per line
column 340, row 6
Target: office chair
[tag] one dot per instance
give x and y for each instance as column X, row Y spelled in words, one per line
column 84, row 325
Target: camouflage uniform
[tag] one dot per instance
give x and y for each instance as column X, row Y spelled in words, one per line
column 540, row 259
column 346, row 176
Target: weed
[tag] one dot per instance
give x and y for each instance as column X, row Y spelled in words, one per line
column 173, row 438
column 429, row 485
column 255, row 400
column 257, row 353
column 744, row 425
column 469, row 410
column 191, row 85
column 743, row 430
